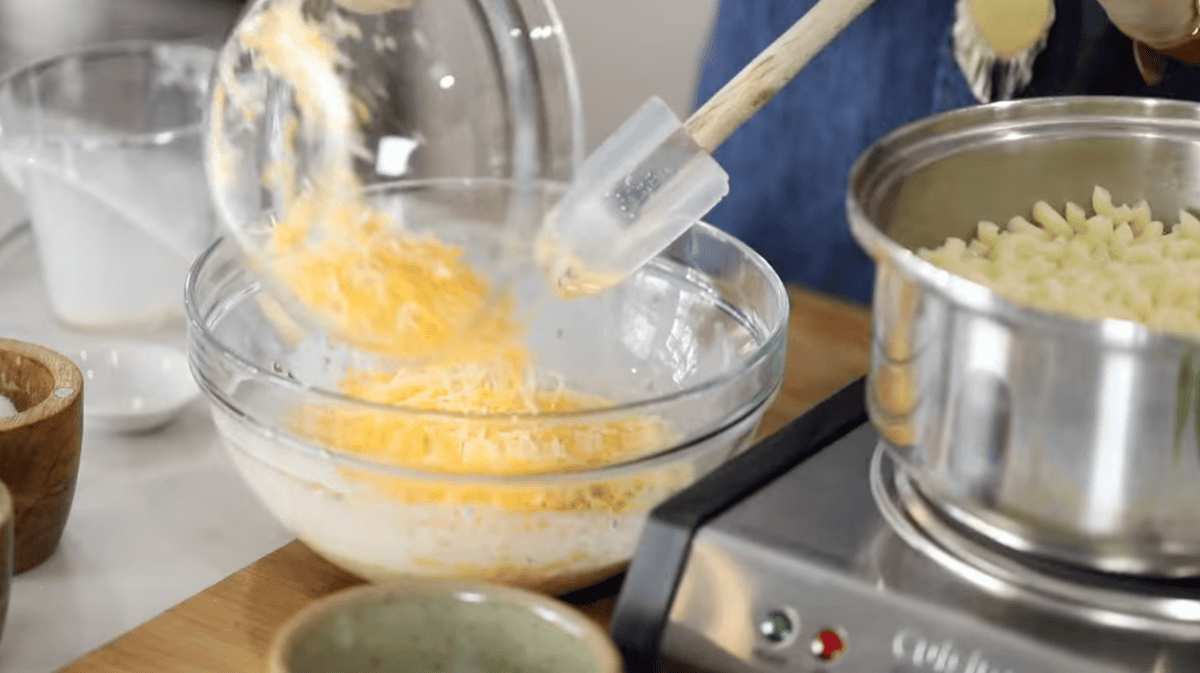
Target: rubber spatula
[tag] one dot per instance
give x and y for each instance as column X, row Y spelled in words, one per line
column 654, row 177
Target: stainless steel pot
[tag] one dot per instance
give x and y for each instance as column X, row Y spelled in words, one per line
column 1070, row 439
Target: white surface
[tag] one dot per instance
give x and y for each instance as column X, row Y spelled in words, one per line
column 156, row 517
column 7, row 408
column 134, row 386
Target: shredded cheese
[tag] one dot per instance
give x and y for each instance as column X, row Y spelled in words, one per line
column 416, row 301
column 397, row 294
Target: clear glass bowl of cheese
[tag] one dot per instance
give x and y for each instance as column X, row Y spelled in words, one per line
column 532, row 464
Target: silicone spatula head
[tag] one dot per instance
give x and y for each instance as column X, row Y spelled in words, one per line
column 642, row 188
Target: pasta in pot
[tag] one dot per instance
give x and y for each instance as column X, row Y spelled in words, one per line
column 1117, row 263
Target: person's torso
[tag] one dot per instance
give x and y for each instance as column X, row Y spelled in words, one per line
column 898, row 62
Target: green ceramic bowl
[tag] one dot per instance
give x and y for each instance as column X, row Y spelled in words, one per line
column 443, row 627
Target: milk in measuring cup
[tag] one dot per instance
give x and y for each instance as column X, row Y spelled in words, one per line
column 116, row 227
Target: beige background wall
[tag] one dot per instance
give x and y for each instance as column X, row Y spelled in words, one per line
column 629, row 50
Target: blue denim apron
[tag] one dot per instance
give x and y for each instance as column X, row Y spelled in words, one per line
column 789, row 164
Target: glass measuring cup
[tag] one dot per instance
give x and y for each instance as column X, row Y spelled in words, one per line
column 326, row 98
column 104, row 145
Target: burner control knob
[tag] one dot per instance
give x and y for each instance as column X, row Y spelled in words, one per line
column 829, row 644
column 777, row 626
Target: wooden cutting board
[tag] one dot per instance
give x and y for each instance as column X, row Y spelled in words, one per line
column 228, row 627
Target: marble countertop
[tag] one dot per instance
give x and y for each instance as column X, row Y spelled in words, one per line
column 156, row 517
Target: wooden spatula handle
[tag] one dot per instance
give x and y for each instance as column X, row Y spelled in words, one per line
column 770, row 71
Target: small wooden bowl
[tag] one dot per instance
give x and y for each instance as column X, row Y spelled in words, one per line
column 39, row 446
column 6, row 553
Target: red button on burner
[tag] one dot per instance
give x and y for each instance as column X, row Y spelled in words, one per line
column 828, row 645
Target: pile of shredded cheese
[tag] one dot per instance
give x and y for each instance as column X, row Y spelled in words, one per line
column 481, row 386
column 1117, row 263
column 415, row 300
column 407, row 297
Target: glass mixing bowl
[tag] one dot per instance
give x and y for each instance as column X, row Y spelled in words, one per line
column 697, row 338
column 316, row 100
column 415, row 89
